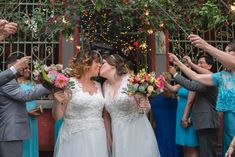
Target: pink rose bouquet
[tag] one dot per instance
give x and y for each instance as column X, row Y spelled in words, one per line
column 53, row 77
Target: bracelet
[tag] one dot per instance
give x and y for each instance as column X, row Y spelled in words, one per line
column 232, row 145
column 184, row 120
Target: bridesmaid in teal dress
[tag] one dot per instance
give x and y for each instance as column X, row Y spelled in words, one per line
column 185, row 137
column 30, row 146
column 58, row 124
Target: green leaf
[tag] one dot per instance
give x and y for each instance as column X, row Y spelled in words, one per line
column 44, row 75
column 98, row 5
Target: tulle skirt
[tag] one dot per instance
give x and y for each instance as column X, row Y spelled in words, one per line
column 86, row 143
column 134, row 138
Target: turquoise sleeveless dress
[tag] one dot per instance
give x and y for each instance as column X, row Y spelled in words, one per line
column 30, row 146
column 184, row 136
column 58, row 124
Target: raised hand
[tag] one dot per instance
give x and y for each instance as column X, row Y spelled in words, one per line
column 174, row 59
column 22, row 63
column 2, row 24
column 7, row 28
column 187, row 59
column 197, row 41
column 10, row 28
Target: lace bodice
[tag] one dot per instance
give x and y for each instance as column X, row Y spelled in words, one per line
column 122, row 106
column 84, row 111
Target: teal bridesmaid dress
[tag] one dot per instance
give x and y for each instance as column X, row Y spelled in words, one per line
column 58, row 124
column 30, row 146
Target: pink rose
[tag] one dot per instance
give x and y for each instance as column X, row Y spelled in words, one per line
column 61, row 81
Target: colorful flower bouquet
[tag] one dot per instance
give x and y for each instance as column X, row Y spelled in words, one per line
column 145, row 83
column 53, row 77
column 142, row 86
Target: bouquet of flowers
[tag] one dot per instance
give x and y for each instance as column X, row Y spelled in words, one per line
column 53, row 77
column 145, row 83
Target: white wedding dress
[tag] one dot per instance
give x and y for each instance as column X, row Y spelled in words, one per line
column 82, row 133
column 132, row 132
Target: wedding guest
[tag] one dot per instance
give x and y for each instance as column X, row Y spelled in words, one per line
column 82, row 132
column 163, row 109
column 13, row 114
column 132, row 133
column 225, row 81
column 30, row 146
column 185, row 133
column 205, row 117
column 10, row 73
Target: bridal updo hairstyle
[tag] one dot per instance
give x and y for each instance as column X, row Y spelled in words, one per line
column 82, row 61
column 118, row 62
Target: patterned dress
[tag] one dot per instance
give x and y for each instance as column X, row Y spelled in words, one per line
column 225, row 81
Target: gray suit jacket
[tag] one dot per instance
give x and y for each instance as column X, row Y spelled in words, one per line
column 6, row 76
column 204, row 115
column 13, row 114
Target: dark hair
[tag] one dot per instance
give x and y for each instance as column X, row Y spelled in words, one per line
column 231, row 45
column 118, row 62
column 130, row 65
column 81, row 62
column 13, row 58
column 209, row 60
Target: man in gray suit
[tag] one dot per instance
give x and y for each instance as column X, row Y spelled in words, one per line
column 204, row 115
column 9, row 74
column 14, row 127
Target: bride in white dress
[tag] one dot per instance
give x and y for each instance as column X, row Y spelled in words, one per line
column 82, row 133
column 132, row 133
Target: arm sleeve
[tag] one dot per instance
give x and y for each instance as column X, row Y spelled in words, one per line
column 13, row 91
column 190, row 85
column 6, row 76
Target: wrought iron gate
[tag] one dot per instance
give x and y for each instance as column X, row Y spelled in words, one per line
column 44, row 48
column 218, row 37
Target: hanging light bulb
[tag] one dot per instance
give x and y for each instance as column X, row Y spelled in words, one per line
column 147, row 13
column 71, row 38
column 233, row 7
column 143, row 45
column 150, row 31
column 64, row 21
column 161, row 24
column 78, row 47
